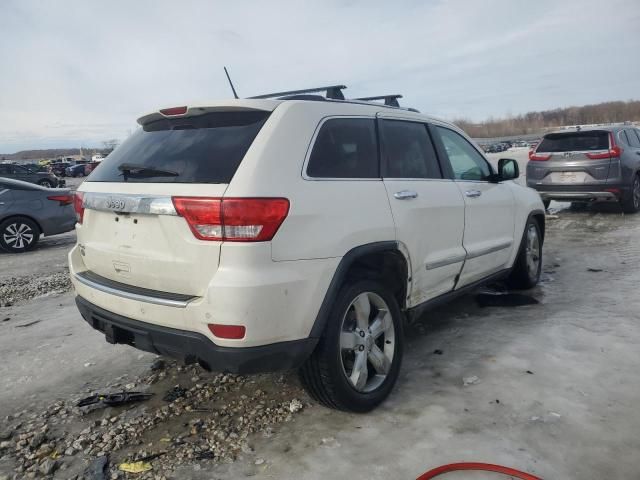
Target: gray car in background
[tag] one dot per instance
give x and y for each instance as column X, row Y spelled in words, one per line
column 28, row 211
column 18, row 172
column 585, row 165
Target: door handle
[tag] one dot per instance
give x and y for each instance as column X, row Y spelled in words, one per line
column 473, row 193
column 405, row 195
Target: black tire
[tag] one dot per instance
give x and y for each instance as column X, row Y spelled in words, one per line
column 578, row 206
column 18, row 234
column 631, row 204
column 546, row 204
column 45, row 182
column 324, row 374
column 526, row 273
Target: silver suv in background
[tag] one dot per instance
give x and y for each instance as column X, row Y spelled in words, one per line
column 588, row 165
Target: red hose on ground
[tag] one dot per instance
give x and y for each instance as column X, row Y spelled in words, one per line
column 478, row 467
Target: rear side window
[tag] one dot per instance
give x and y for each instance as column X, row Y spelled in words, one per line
column 408, row 151
column 345, row 148
column 574, row 141
column 206, row 148
column 632, row 135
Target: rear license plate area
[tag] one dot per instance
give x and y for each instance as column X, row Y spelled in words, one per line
column 568, row 177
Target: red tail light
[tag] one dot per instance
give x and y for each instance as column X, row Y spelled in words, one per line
column 234, row 332
column 614, row 150
column 78, row 206
column 174, row 111
column 233, row 219
column 538, row 156
column 63, row 199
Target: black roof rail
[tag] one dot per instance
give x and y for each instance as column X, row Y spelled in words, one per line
column 333, row 91
column 389, row 100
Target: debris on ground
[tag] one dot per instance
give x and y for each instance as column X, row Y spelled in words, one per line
column 529, row 372
column 135, row 467
column 175, row 393
column 114, row 399
column 437, row 351
column 210, row 419
column 97, row 469
column 158, row 364
column 594, row 270
column 24, row 325
column 19, row 289
column 504, row 299
column 466, row 381
column 295, row 406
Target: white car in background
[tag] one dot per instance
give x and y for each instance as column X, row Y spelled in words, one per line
column 300, row 232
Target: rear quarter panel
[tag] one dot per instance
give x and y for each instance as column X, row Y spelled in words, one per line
column 327, row 218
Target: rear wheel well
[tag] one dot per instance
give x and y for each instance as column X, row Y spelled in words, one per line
column 389, row 267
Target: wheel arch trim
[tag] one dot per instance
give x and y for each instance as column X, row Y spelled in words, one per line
column 340, row 275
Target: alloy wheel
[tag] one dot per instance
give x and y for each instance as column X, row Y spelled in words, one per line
column 532, row 251
column 18, row 235
column 367, row 342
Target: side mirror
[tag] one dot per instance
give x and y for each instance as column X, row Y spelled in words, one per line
column 508, row 169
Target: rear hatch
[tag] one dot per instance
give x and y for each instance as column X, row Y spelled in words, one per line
column 576, row 157
column 133, row 230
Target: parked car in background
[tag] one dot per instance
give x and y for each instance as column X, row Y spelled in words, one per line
column 588, row 165
column 260, row 235
column 90, row 167
column 77, row 170
column 28, row 211
column 18, row 172
column 59, row 168
column 35, row 167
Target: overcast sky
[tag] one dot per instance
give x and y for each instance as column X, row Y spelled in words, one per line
column 78, row 72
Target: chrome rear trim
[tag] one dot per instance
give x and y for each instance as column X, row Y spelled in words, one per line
column 132, row 293
column 128, row 203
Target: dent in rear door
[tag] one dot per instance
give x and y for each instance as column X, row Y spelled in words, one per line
column 428, row 210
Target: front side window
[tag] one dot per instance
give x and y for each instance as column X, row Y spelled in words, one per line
column 408, row 151
column 466, row 162
column 345, row 148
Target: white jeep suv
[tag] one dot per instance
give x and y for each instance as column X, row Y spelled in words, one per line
column 257, row 235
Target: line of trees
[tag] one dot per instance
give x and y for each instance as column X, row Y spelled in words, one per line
column 536, row 122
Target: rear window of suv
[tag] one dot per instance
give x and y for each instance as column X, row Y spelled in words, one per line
column 574, row 141
column 205, row 148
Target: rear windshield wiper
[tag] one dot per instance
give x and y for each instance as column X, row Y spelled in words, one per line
column 141, row 171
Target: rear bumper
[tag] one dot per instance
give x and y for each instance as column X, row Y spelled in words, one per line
column 580, row 193
column 192, row 347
